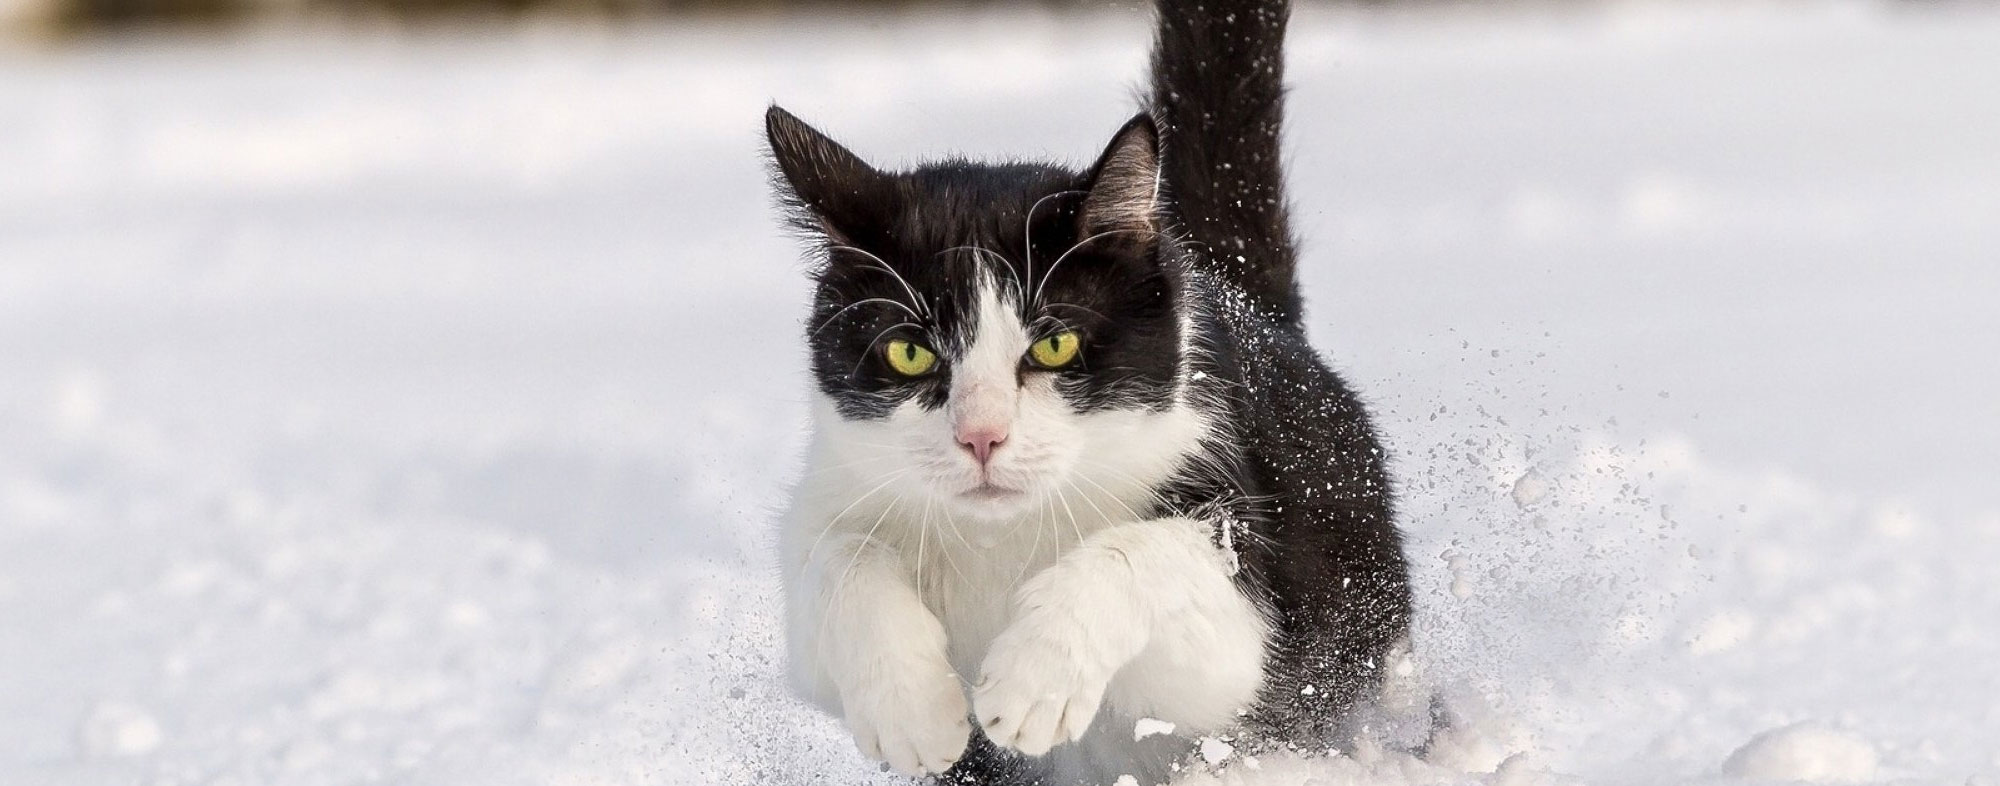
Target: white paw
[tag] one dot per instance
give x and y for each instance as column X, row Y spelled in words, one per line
column 1038, row 688
column 912, row 718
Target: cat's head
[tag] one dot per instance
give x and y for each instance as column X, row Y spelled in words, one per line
column 993, row 339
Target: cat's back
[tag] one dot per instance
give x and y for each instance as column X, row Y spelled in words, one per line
column 1291, row 411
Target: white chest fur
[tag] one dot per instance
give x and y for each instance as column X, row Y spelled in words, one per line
column 965, row 571
column 1048, row 625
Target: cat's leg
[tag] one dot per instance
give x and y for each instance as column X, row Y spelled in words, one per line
column 863, row 643
column 1145, row 614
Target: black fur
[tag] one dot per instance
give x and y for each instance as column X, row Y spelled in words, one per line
column 937, row 229
column 1297, row 485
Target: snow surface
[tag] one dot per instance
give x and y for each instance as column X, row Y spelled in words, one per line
column 411, row 408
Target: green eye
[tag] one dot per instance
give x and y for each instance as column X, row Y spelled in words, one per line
column 1056, row 351
column 910, row 360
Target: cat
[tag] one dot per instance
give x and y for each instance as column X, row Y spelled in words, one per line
column 1074, row 465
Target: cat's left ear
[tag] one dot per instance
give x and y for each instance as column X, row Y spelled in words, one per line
column 835, row 191
column 1124, row 192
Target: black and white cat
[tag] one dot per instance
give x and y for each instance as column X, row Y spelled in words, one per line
column 1074, row 463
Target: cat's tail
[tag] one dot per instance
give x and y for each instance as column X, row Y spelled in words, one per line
column 1218, row 95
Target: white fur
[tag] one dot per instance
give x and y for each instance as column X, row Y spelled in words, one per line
column 1056, row 600
column 1145, row 612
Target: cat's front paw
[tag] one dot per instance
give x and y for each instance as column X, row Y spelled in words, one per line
column 913, row 719
column 1038, row 688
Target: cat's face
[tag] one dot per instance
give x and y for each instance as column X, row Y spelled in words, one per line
column 992, row 340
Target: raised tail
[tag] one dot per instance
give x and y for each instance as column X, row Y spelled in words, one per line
column 1218, row 93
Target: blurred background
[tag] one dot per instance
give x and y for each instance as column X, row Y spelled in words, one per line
column 401, row 391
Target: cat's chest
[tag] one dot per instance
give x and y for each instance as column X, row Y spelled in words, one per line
column 969, row 583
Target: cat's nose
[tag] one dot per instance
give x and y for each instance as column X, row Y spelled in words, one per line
column 981, row 441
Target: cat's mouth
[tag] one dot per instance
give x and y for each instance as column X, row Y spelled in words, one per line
column 989, row 492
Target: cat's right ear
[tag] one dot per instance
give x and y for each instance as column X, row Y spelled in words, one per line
column 831, row 189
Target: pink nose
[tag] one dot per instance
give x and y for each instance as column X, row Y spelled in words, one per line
column 981, row 441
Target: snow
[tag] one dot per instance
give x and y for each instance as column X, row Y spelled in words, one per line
column 412, row 408
column 1804, row 752
column 119, row 730
column 1214, row 751
column 1147, row 727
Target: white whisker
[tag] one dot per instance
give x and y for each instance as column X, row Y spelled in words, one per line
column 1072, row 249
column 1028, row 235
column 961, row 540
column 1093, row 504
column 923, row 531
column 1099, row 314
column 859, row 303
column 1020, row 294
column 1111, row 494
column 916, row 301
column 1071, row 514
column 835, row 520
